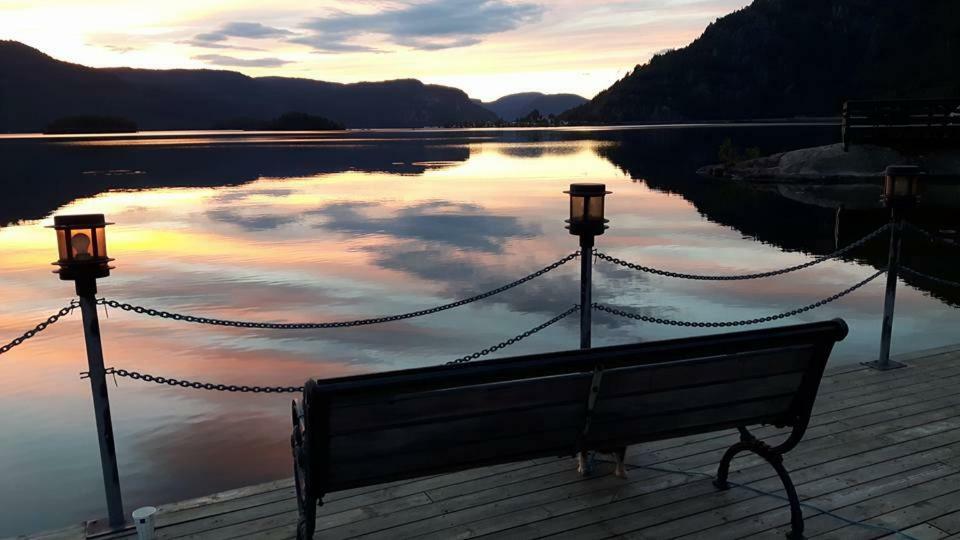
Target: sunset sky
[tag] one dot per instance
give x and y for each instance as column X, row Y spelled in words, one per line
column 486, row 47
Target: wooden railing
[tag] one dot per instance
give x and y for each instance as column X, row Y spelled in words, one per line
column 901, row 122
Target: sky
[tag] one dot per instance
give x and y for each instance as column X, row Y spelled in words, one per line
column 488, row 48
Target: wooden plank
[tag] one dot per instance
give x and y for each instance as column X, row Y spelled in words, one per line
column 436, row 405
column 641, row 403
column 531, row 429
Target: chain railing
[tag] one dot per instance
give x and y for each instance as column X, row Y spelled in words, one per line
column 40, row 327
column 183, row 383
column 737, row 277
column 515, row 339
column 338, row 324
column 745, row 322
column 928, row 277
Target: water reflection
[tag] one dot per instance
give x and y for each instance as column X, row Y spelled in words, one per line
column 319, row 228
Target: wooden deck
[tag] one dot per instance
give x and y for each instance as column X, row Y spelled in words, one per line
column 883, row 447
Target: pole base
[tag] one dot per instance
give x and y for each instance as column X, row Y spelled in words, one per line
column 96, row 528
column 886, row 366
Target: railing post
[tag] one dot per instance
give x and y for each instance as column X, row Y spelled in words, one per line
column 900, row 189
column 586, row 288
column 884, row 363
column 587, row 222
column 101, row 401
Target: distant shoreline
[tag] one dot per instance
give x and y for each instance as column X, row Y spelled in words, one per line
column 145, row 134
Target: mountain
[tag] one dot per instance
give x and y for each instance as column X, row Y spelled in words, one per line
column 788, row 58
column 36, row 90
column 515, row 106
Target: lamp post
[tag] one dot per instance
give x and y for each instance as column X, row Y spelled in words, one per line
column 901, row 188
column 587, row 222
column 82, row 245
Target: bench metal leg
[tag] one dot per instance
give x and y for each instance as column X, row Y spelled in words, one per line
column 306, row 500
column 749, row 444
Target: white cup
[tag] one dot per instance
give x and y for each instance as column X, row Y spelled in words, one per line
column 143, row 518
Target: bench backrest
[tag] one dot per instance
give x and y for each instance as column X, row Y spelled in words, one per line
column 370, row 429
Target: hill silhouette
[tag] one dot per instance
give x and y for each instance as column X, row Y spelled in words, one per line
column 36, row 89
column 790, row 58
column 516, row 106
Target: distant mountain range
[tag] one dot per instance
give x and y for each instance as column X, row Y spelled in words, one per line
column 516, row 106
column 36, row 89
column 790, row 58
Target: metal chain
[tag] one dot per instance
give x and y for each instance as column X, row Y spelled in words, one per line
column 908, row 270
column 170, row 381
column 340, row 324
column 679, row 275
column 40, row 327
column 747, row 322
column 202, row 386
column 515, row 339
column 929, row 236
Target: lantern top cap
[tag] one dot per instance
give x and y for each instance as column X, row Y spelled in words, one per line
column 588, row 189
column 80, row 220
column 903, row 170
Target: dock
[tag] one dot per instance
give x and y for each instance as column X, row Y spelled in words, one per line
column 883, row 448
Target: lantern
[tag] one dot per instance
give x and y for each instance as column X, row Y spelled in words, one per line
column 82, row 245
column 586, row 209
column 901, row 185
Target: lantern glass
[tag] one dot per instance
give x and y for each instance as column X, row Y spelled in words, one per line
column 595, row 209
column 62, row 244
column 901, row 186
column 82, row 246
column 577, row 210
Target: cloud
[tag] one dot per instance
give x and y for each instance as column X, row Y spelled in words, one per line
column 262, row 222
column 119, row 48
column 331, row 44
column 248, row 30
column 430, row 25
column 464, row 226
column 224, row 60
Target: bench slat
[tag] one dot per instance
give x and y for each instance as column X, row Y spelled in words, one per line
column 437, row 405
column 612, row 431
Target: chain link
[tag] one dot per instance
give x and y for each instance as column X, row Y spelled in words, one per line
column 340, row 324
column 170, row 381
column 515, row 339
column 929, row 236
column 40, row 327
column 747, row 322
column 911, row 271
column 679, row 275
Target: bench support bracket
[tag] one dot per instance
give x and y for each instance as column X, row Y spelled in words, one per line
column 749, row 443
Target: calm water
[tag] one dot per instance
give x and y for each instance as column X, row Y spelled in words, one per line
column 326, row 227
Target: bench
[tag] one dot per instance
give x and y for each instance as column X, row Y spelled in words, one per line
column 370, row 429
column 901, row 122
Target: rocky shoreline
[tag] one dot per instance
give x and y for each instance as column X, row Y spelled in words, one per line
column 830, row 164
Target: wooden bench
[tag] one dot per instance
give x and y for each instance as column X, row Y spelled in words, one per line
column 901, row 122
column 370, row 429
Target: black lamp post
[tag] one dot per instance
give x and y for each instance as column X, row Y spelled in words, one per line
column 587, row 222
column 901, row 190
column 82, row 246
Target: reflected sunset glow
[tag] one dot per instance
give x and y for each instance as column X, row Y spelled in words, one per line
column 278, row 229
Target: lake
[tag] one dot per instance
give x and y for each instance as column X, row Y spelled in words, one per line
column 335, row 226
